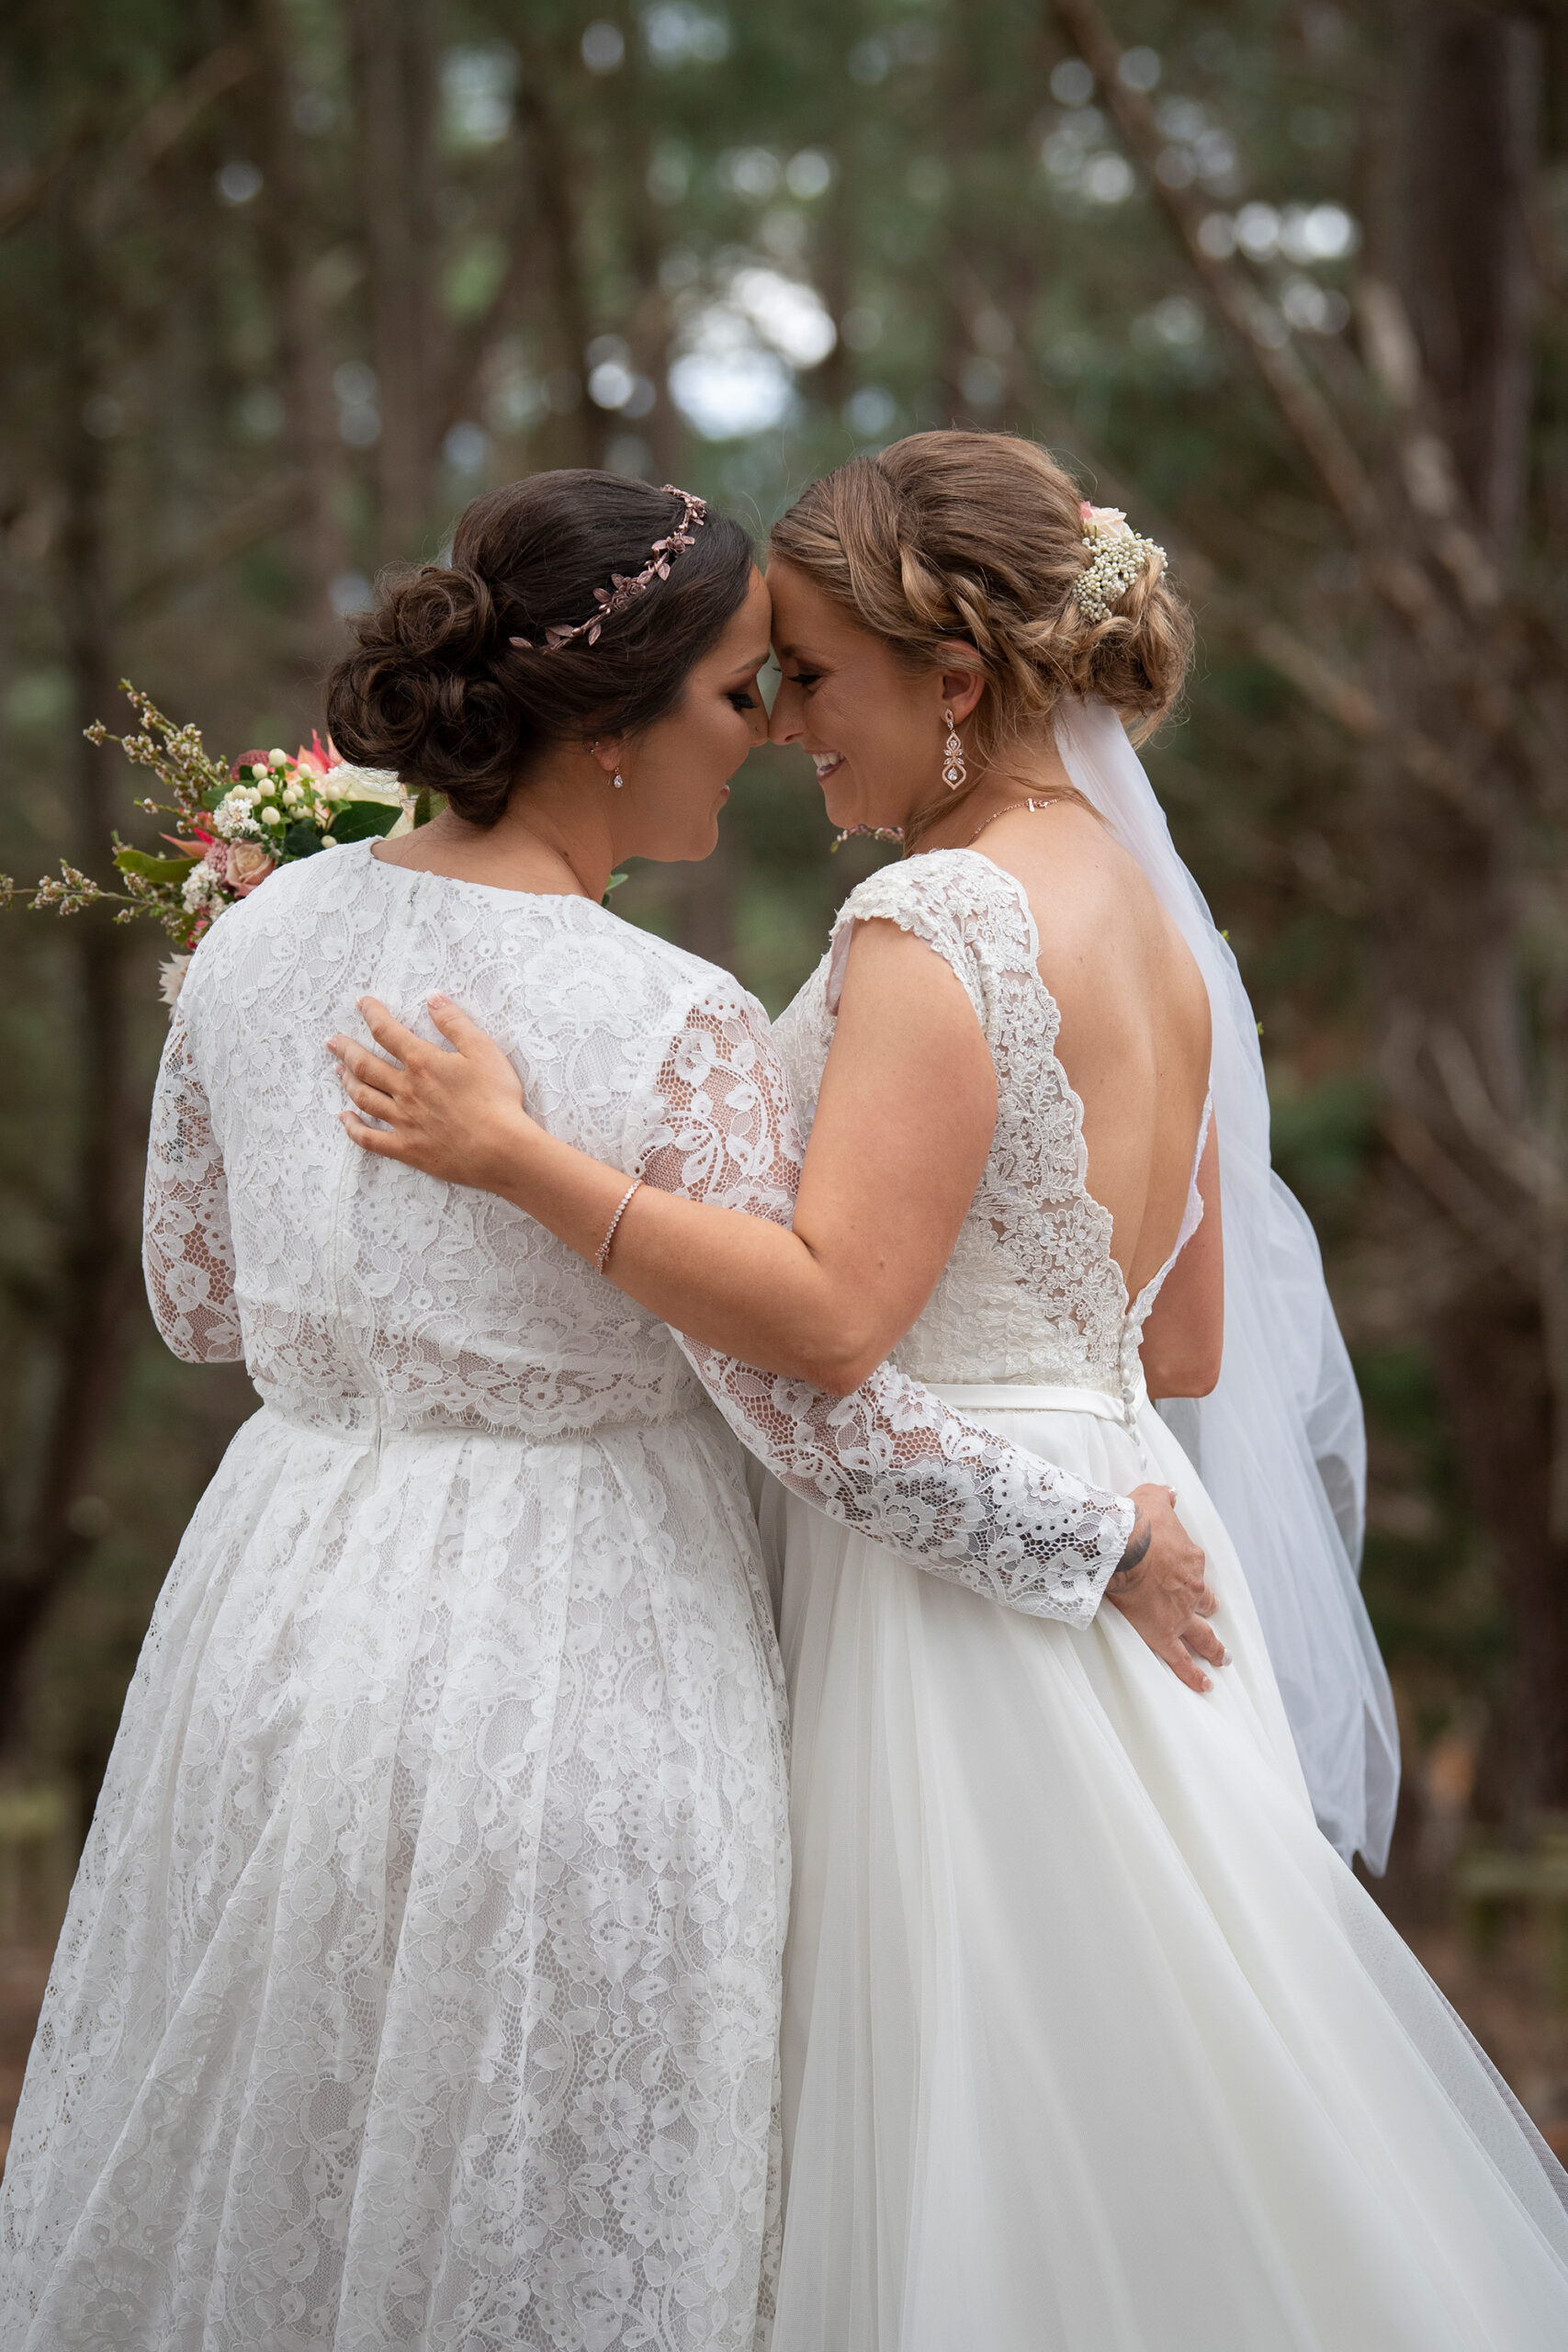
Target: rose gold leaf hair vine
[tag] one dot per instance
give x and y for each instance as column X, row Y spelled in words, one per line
column 622, row 590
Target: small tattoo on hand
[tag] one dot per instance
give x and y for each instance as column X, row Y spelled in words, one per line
column 1128, row 1569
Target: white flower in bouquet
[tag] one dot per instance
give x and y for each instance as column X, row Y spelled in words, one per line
column 234, row 818
column 203, row 889
column 172, row 978
column 346, row 783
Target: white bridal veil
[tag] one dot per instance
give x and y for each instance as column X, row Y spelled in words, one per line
column 1280, row 1444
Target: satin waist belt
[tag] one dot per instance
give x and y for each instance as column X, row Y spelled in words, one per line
column 1004, row 1396
column 988, row 1397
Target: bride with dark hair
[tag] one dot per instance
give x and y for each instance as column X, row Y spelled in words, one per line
column 421, row 1983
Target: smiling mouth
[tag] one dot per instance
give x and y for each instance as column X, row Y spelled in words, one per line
column 826, row 763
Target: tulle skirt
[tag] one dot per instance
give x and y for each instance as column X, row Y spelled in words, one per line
column 420, row 1986
column 1091, row 2043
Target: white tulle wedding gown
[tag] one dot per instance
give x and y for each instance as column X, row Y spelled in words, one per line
column 421, row 1982
column 1091, row 2043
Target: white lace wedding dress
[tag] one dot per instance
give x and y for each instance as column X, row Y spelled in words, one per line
column 1091, row 2042
column 421, row 1982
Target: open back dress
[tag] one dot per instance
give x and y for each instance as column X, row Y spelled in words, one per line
column 1092, row 2043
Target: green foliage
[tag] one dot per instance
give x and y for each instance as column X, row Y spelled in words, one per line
column 152, row 870
column 362, row 821
column 1424, row 1573
column 1325, row 1139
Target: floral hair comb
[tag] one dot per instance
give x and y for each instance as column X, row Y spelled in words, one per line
column 622, row 590
column 1118, row 555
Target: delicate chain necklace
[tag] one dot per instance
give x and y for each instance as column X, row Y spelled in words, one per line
column 997, row 814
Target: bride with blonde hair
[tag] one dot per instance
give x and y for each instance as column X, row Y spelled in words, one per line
column 1091, row 2039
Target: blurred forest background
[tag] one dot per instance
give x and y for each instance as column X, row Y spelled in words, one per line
column 285, row 282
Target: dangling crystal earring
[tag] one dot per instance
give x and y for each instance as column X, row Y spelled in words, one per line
column 953, row 772
column 618, row 779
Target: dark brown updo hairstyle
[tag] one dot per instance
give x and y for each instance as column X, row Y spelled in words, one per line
column 979, row 537
column 435, row 690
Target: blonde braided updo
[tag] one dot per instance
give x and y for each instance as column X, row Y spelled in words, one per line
column 978, row 538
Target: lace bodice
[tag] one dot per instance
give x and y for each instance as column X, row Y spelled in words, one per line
column 1031, row 1292
column 364, row 1296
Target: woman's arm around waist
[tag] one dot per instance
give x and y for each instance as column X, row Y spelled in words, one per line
column 716, row 1134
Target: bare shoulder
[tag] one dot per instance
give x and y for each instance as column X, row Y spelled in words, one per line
column 1083, row 885
column 1100, row 920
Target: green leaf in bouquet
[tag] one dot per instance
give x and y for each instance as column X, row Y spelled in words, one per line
column 300, row 840
column 152, row 870
column 362, row 821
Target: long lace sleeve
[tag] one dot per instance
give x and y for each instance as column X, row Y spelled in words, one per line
column 891, row 1459
column 188, row 1254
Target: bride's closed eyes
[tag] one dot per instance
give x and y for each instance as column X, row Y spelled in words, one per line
column 745, row 694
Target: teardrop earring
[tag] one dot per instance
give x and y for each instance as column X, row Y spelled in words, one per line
column 618, row 779
column 955, row 773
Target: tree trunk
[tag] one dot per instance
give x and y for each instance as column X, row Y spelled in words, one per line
column 648, row 323
column 573, row 436
column 396, row 68
column 320, row 540
column 1467, row 79
column 99, row 1274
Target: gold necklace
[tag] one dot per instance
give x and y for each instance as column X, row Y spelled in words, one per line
column 997, row 814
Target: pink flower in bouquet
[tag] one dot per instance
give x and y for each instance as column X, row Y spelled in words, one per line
column 245, row 864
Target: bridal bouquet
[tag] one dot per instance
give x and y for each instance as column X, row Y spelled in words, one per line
column 233, row 827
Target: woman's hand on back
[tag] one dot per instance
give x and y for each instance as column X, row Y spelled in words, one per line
column 460, row 1116
column 457, row 1115
column 903, row 1126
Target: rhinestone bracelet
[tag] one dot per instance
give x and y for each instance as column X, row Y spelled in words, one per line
column 599, row 1262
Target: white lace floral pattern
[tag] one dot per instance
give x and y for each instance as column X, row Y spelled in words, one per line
column 891, row 1458
column 421, row 1983
column 1031, row 1292
column 187, row 1253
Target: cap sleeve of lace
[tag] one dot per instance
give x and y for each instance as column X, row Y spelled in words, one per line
column 891, row 1459
column 187, row 1253
column 964, row 907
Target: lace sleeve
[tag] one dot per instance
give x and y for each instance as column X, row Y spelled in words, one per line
column 187, row 1255
column 891, row 1459
column 967, row 909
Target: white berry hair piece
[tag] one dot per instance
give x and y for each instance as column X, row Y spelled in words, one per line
column 623, row 590
column 1118, row 555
